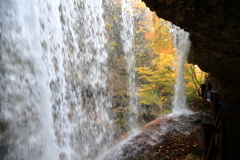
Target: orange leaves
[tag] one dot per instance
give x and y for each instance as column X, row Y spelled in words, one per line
column 119, row 2
column 166, row 50
column 149, row 35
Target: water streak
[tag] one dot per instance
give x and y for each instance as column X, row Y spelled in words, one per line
column 127, row 36
column 182, row 44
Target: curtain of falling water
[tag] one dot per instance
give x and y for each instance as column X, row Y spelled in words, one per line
column 127, row 35
column 182, row 44
column 53, row 79
column 26, row 105
column 93, row 117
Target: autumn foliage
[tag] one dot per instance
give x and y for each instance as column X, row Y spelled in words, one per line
column 158, row 75
column 157, row 68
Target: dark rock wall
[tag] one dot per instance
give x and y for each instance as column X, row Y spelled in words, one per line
column 214, row 26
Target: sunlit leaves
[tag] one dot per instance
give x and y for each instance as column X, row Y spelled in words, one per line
column 158, row 78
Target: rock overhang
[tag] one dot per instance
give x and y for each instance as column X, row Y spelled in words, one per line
column 214, row 27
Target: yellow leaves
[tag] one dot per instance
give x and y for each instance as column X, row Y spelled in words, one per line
column 158, row 77
column 145, row 70
column 139, row 4
column 142, row 5
column 141, row 29
column 166, row 50
column 148, row 87
column 109, row 25
column 114, row 44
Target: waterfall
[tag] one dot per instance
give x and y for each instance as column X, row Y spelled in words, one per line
column 53, row 63
column 25, row 93
column 182, row 44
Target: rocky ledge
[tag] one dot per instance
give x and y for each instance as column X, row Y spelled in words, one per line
column 214, row 27
column 169, row 137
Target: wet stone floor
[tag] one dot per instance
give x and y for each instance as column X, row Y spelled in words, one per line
column 171, row 137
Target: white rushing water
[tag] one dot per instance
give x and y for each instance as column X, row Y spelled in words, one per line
column 127, row 36
column 25, row 94
column 182, row 44
column 53, row 79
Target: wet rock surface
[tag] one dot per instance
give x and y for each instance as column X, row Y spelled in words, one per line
column 170, row 137
column 185, row 137
column 178, row 145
